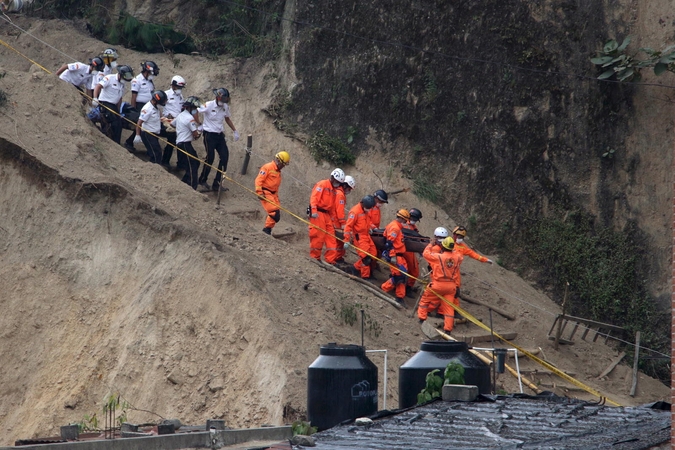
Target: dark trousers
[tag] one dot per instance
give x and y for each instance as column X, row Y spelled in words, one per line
column 152, row 146
column 114, row 121
column 214, row 142
column 168, row 149
column 130, row 140
column 191, row 164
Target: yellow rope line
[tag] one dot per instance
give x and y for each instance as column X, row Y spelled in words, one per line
column 12, row 48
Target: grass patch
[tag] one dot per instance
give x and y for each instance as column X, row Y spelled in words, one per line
column 425, row 189
column 324, row 147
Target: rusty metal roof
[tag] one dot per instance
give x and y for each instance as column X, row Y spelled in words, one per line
column 507, row 423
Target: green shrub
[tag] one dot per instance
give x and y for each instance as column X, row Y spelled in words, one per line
column 303, row 428
column 425, row 189
column 324, row 147
column 453, row 374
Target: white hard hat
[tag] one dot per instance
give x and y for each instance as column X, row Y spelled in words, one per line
column 441, row 232
column 350, row 181
column 339, row 175
column 178, row 81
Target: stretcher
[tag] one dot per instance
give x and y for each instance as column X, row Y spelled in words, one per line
column 414, row 242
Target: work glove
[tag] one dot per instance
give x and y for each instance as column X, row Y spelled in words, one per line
column 490, row 261
column 347, row 245
column 385, row 256
column 137, row 139
column 94, row 102
column 236, row 135
column 314, row 215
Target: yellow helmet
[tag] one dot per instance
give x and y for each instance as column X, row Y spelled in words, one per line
column 283, row 157
column 448, row 243
column 460, row 231
column 403, row 214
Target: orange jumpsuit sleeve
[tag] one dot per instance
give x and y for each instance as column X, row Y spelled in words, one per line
column 322, row 197
column 261, row 179
column 466, row 251
column 340, row 203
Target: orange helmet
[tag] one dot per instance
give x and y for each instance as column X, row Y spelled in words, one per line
column 403, row 214
column 460, row 231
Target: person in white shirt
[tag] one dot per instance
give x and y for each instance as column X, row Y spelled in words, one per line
column 142, row 88
column 215, row 112
column 174, row 106
column 108, row 93
column 109, row 57
column 149, row 125
column 187, row 130
column 79, row 74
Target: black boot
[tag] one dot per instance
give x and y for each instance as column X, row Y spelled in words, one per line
column 267, row 230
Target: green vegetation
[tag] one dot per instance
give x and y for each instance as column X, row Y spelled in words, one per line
column 454, row 374
column 303, row 428
column 111, row 404
column 349, row 315
column 323, row 146
column 616, row 63
column 602, row 268
column 425, row 189
column 147, row 37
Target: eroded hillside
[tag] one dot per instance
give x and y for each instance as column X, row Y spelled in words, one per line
column 117, row 277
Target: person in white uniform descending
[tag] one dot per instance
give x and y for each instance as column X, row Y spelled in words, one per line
column 142, row 88
column 215, row 112
column 187, row 130
column 149, row 126
column 174, row 106
column 109, row 92
column 79, row 74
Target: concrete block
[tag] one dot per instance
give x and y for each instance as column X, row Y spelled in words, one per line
column 70, row 432
column 216, row 424
column 165, row 428
column 459, row 392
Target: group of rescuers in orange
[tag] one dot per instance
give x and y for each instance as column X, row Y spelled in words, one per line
column 327, row 218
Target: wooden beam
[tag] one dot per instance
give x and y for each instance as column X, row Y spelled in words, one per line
column 612, row 365
column 485, row 338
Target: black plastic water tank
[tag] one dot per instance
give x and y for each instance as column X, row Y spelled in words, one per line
column 341, row 385
column 436, row 355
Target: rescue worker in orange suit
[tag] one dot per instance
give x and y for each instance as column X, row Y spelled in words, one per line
column 357, row 231
column 393, row 252
column 381, row 198
column 411, row 257
column 444, row 273
column 267, row 187
column 321, row 217
column 458, row 235
column 375, row 214
column 340, row 217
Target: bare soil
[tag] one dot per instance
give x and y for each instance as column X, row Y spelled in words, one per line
column 118, row 278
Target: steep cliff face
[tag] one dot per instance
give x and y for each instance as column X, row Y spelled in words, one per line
column 494, row 103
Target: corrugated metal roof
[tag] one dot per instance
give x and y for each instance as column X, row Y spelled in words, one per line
column 507, row 423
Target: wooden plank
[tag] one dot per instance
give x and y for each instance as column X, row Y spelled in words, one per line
column 485, row 338
column 612, row 365
column 554, row 322
column 594, row 324
column 635, row 364
column 583, row 336
column 574, row 330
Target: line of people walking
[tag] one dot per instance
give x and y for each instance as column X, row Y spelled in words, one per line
column 152, row 113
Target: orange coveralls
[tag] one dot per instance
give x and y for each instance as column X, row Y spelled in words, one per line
column 411, row 259
column 339, row 222
column 267, row 184
column 466, row 251
column 394, row 233
column 321, row 231
column 444, row 274
column 375, row 215
column 357, row 228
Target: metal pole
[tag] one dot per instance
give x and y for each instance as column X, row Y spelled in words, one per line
column 384, row 396
column 363, row 314
column 247, row 157
column 492, row 337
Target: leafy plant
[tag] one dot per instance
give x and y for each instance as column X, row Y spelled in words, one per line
column 352, row 132
column 432, row 389
column 111, row 404
column 349, row 315
column 88, row 423
column 614, row 61
column 453, row 374
column 303, row 428
column 609, row 154
column 146, row 36
column 430, row 86
column 323, row 146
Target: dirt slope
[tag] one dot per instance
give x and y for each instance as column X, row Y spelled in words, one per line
column 117, row 277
